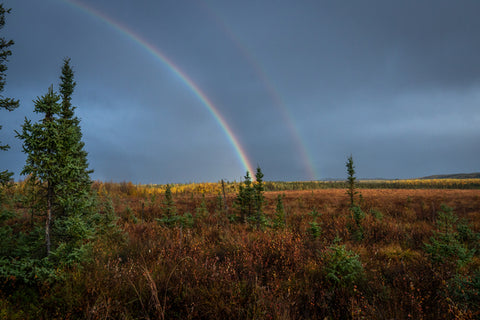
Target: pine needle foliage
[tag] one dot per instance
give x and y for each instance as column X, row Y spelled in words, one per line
column 169, row 208
column 57, row 164
column 315, row 229
column 73, row 190
column 351, row 186
column 445, row 247
column 41, row 143
column 259, row 198
column 279, row 221
column 343, row 267
column 251, row 200
column 245, row 198
column 8, row 104
column 357, row 215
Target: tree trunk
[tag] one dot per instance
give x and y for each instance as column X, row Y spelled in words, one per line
column 49, row 216
column 32, row 208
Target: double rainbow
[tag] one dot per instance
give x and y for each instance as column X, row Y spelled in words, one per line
column 212, row 109
column 155, row 52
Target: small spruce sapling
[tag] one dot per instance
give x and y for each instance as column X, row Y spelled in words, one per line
column 245, row 198
column 343, row 267
column 169, row 208
column 202, row 210
column 351, row 180
column 280, row 215
column 219, row 205
column 445, row 247
column 315, row 229
column 356, row 212
column 259, row 198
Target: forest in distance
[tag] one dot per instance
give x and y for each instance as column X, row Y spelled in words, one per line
column 74, row 248
column 232, row 186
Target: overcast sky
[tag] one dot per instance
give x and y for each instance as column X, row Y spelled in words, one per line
column 300, row 84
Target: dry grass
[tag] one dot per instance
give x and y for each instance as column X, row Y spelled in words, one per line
column 223, row 270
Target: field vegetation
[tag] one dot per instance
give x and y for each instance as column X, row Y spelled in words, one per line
column 416, row 257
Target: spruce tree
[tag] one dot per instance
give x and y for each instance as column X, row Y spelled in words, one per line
column 74, row 190
column 259, row 198
column 351, row 180
column 249, row 193
column 75, row 203
column 57, row 163
column 245, row 198
column 5, row 103
column 356, row 211
column 41, row 143
column 169, row 208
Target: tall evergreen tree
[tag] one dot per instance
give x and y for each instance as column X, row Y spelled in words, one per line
column 74, row 190
column 5, row 103
column 57, row 162
column 41, row 143
column 75, row 203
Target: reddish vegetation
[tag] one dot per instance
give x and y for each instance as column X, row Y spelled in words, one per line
column 220, row 269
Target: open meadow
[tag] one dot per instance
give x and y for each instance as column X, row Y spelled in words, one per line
column 405, row 254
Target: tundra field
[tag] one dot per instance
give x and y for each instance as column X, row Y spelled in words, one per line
column 402, row 254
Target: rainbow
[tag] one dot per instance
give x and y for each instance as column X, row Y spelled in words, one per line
column 239, row 150
column 274, row 95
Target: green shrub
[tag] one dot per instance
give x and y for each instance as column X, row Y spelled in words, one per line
column 355, row 227
column 376, row 214
column 315, row 229
column 357, row 214
column 467, row 236
column 185, row 221
column 259, row 222
column 343, row 267
column 202, row 210
column 466, row 290
column 445, row 246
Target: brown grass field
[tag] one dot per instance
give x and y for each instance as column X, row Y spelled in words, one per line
column 217, row 268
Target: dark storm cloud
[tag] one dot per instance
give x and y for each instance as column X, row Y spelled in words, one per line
column 395, row 83
column 421, row 44
column 350, row 45
column 384, row 65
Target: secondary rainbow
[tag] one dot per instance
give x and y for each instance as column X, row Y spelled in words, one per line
column 272, row 92
column 239, row 150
